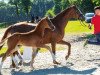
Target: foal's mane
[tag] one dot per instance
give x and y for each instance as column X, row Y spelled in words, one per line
column 21, row 23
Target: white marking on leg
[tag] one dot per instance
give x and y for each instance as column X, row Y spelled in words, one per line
column 1, row 66
column 21, row 59
column 19, row 55
column 15, row 61
column 52, row 54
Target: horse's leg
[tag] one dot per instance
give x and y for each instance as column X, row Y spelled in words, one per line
column 35, row 51
column 3, row 58
column 53, row 45
column 14, row 61
column 9, row 51
column 19, row 55
column 69, row 47
column 13, row 64
column 13, row 56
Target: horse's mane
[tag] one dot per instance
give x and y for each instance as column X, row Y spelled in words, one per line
column 20, row 23
column 63, row 12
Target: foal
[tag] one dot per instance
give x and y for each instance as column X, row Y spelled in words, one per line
column 32, row 39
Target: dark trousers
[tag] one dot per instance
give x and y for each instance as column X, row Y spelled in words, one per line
column 95, row 40
column 97, row 37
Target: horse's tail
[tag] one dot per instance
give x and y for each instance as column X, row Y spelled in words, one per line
column 5, row 35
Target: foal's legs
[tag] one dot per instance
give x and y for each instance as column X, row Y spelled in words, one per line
column 69, row 47
column 35, row 51
column 19, row 56
column 9, row 52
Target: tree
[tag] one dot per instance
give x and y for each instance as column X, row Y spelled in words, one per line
column 65, row 4
column 40, row 7
column 26, row 4
column 87, row 6
column 16, row 3
column 57, row 6
column 50, row 13
column 96, row 2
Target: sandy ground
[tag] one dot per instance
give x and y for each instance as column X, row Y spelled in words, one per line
column 82, row 61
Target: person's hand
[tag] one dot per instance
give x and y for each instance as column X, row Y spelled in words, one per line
column 89, row 26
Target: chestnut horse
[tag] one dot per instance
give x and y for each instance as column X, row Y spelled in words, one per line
column 32, row 38
column 54, row 37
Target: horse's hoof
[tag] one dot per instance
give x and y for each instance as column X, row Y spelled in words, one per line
column 17, row 67
column 11, row 66
column 20, row 63
column 66, row 57
column 32, row 68
column 55, row 62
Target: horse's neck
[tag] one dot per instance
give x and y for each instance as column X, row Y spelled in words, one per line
column 40, row 30
column 61, row 20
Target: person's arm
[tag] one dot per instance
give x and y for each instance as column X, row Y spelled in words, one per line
column 92, row 22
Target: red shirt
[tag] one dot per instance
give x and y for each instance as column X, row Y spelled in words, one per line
column 96, row 22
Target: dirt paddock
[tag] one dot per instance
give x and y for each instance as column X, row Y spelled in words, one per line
column 82, row 61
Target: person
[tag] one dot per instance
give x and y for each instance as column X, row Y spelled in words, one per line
column 37, row 19
column 96, row 22
column 32, row 18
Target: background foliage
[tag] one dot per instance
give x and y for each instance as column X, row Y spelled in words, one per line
column 21, row 10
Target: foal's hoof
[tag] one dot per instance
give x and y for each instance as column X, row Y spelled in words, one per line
column 55, row 62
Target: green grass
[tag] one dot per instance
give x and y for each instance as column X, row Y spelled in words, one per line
column 3, row 50
column 76, row 27
column 73, row 27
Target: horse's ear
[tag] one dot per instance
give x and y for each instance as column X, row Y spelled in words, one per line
column 46, row 17
column 74, row 5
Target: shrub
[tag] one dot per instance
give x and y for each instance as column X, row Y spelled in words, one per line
column 50, row 13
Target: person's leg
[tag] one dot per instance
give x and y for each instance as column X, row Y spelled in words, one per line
column 98, row 37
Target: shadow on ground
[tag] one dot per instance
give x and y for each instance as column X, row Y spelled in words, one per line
column 54, row 71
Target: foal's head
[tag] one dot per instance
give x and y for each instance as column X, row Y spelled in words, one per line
column 46, row 23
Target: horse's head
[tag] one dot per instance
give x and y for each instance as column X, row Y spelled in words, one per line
column 77, row 13
column 47, row 23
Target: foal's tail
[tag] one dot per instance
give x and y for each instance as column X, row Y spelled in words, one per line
column 3, row 41
column 5, row 35
column 1, row 45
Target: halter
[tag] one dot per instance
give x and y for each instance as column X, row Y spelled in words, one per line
column 51, row 23
column 81, row 22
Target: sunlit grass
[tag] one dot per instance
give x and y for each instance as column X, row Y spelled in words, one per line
column 76, row 27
